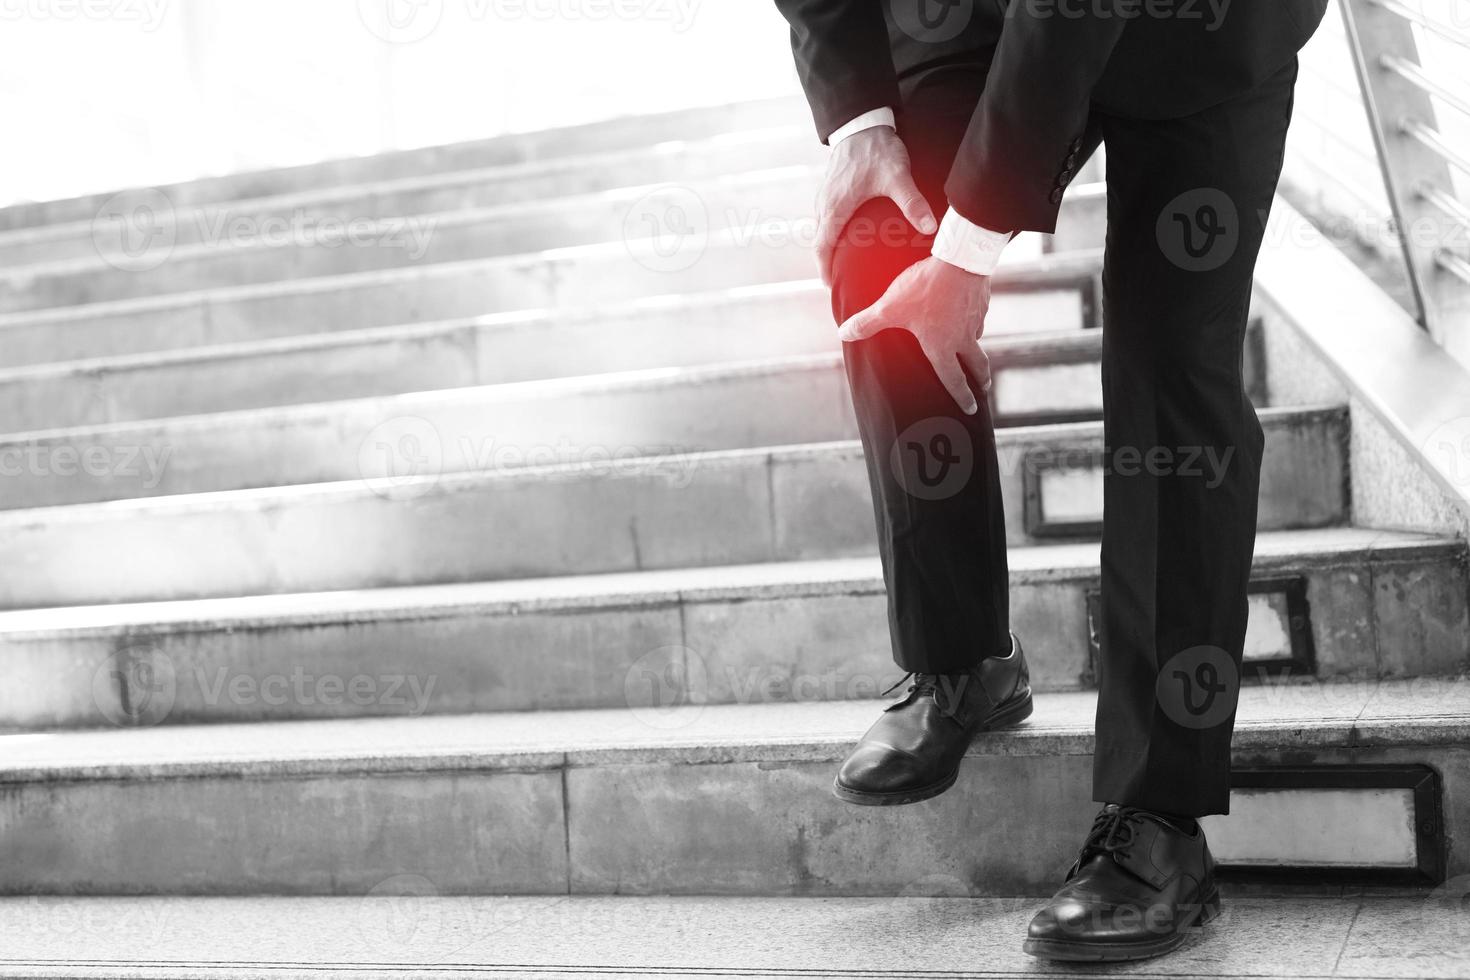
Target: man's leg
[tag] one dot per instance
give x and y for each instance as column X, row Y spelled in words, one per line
column 1187, row 206
column 933, row 469
column 1188, row 201
column 936, row 492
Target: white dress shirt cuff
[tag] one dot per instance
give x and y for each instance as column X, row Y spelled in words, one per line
column 869, row 119
column 963, row 243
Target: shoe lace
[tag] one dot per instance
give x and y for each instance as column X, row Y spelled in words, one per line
column 923, row 683
column 935, row 686
column 1112, row 833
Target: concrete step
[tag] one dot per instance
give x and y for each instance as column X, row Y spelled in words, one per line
column 780, row 320
column 1334, row 603
column 430, row 193
column 767, row 205
column 1086, row 226
column 540, row 147
column 785, row 504
column 711, row 799
column 247, row 255
column 392, row 440
column 409, row 928
column 580, row 276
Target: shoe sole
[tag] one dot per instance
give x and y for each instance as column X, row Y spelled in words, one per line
column 1078, row 951
column 1004, row 718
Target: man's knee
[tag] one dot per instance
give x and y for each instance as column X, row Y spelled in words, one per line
column 875, row 246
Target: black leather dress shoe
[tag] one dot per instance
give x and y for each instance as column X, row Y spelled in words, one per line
column 913, row 751
column 1137, row 888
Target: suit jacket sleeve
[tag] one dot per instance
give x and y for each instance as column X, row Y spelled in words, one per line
column 1028, row 133
column 842, row 57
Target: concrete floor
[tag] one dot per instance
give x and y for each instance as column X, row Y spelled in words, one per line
column 413, row 934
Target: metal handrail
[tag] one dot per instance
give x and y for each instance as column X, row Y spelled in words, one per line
column 1431, row 139
column 1416, row 158
column 1453, row 264
column 1423, row 20
column 1452, row 207
column 1418, row 76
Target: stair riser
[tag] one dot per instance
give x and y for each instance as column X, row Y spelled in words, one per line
column 760, row 210
column 1087, row 219
column 393, row 361
column 748, row 826
column 583, row 278
column 743, row 645
column 451, row 192
column 256, row 254
column 471, row 429
column 515, row 148
column 475, row 429
column 649, row 514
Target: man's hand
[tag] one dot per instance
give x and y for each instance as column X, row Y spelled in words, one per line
column 944, row 307
column 869, row 164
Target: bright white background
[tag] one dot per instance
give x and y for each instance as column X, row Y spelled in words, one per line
column 99, row 94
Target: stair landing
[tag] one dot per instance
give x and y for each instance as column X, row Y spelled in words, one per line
column 418, row 935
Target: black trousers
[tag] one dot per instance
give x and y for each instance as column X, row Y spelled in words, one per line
column 1187, row 205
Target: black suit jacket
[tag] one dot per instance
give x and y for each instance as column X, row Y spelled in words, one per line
column 1055, row 61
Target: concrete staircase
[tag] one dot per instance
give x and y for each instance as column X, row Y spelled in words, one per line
column 467, row 540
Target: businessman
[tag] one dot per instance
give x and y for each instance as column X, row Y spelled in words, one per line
column 955, row 125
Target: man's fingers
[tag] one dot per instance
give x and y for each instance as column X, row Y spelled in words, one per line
column 974, row 358
column 906, row 195
column 826, row 251
column 829, row 230
column 866, row 323
column 954, row 380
